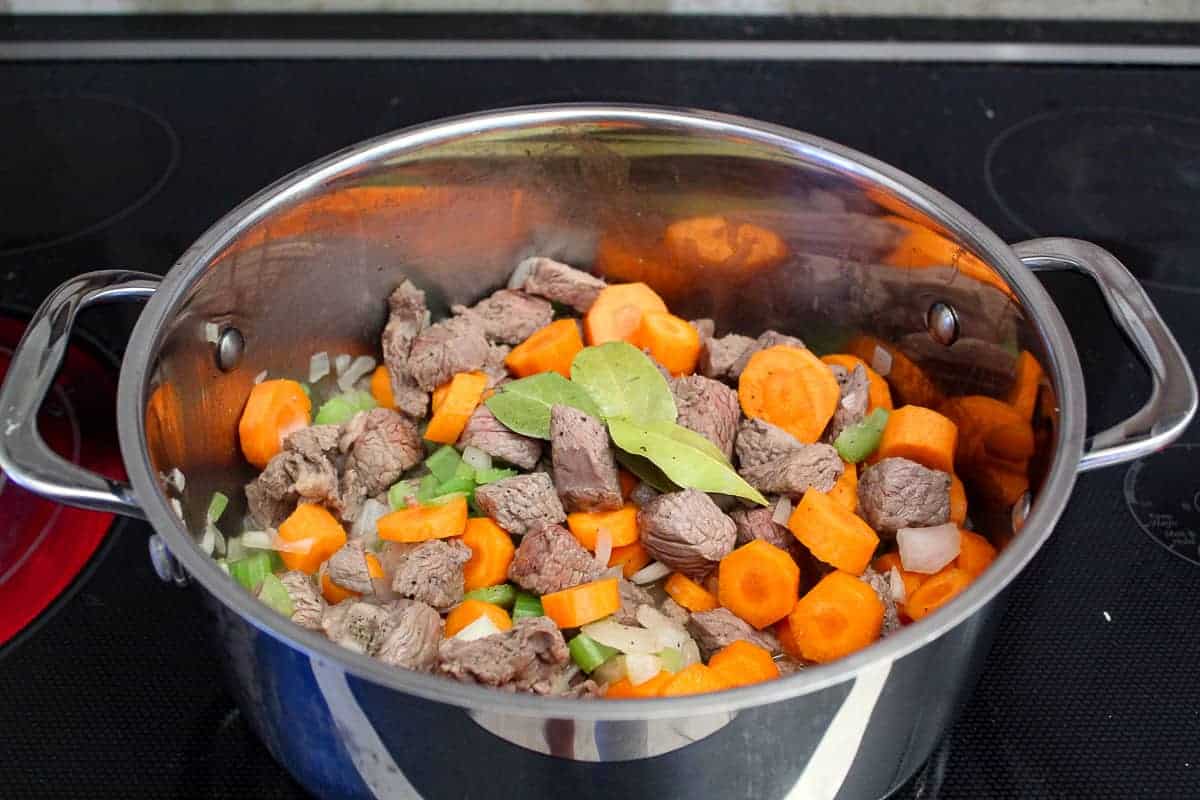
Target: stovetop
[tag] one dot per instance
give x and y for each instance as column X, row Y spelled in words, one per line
column 1090, row 689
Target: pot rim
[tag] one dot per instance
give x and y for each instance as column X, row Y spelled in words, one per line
column 1062, row 366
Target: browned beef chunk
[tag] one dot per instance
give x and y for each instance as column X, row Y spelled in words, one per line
column 348, row 568
column 705, row 327
column 708, row 407
column 759, row 442
column 302, row 471
column 720, row 627
column 407, row 317
column 307, row 604
column 757, row 523
column 883, row 590
column 562, row 284
column 380, row 445
column 432, row 572
column 812, row 466
column 686, row 531
column 522, row 503
column 527, row 657
column 632, row 596
column 585, row 689
column 446, row 348
column 675, row 612
column 355, row 624
column 765, row 339
column 494, row 367
column 585, row 472
column 550, row 559
column 719, row 354
column 489, row 434
column 852, row 406
column 897, row 493
column 509, row 317
column 315, row 441
column 410, row 636
column 642, row 493
column 788, row 665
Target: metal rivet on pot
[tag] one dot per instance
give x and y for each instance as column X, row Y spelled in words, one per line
column 230, row 346
column 165, row 565
column 1020, row 511
column 942, row 322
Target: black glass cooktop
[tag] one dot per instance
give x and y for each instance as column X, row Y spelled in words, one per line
column 1090, row 690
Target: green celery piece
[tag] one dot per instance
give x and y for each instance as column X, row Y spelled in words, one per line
column 859, row 440
column 464, row 471
column 217, row 506
column 493, row 474
column 524, row 405
column 444, row 463
column 442, row 499
column 672, row 659
column 527, row 605
column 623, row 382
column 277, row 564
column 402, row 493
column 588, row 653
column 502, row 594
column 275, row 595
column 427, row 489
column 251, row 570
column 342, row 407
column 456, row 486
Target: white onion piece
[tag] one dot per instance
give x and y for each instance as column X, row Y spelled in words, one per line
column 318, row 366
column 896, row 586
column 268, row 540
column 211, row 332
column 612, row 572
column 561, row 682
column 603, row 546
column 234, row 551
column 476, row 458
column 260, row 377
column 651, row 573
column 783, row 511
column 881, row 361
column 177, row 507
column 208, row 541
column 642, row 668
column 927, row 550
column 522, row 273
column 635, row 641
column 691, row 653
column 667, row 632
column 341, row 363
column 383, row 590
column 366, row 526
column 176, row 479
column 356, row 369
column 481, row 627
column 610, row 671
column 218, row 540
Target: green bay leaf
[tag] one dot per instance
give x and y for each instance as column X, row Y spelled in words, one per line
column 524, row 405
column 674, row 449
column 623, row 382
column 645, row 471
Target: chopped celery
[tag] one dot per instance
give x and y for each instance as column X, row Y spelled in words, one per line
column 402, row 493
column 251, row 570
column 340, row 408
column 444, row 463
column 502, row 594
column 456, row 485
column 234, row 549
column 588, row 653
column 464, row 471
column 277, row 564
column 427, row 489
column 527, row 605
column 672, row 659
column 442, row 499
column 859, row 440
column 493, row 474
column 216, row 506
column 275, row 595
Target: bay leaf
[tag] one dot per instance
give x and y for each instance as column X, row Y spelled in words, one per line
column 645, row 471
column 524, row 405
column 623, row 382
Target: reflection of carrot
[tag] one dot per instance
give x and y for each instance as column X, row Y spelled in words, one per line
column 625, row 257
column 919, row 434
column 273, row 410
column 922, row 247
column 909, row 383
column 455, row 407
column 879, row 395
column 1023, row 394
column 551, row 349
column 838, row 616
column 995, row 443
column 617, row 312
column 164, row 429
column 791, row 388
column 718, row 243
column 672, row 342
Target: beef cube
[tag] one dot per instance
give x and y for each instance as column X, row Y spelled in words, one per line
column 380, row 445
column 897, row 493
column 632, row 596
column 522, row 503
column 720, row 627
column 642, row 493
column 301, row 472
column 347, row 567
column 758, row 523
column 445, row 349
column 528, row 657
column 355, row 625
column 585, row 471
column 432, row 572
column 407, row 317
column 788, row 665
column 410, row 636
column 705, row 327
column 760, row 442
column 719, row 354
column 314, row 441
column 883, row 590
column 486, row 433
column 307, row 604
column 766, row 339
column 675, row 612
column 585, row 689
column 509, row 317
column 812, row 466
column 708, row 407
column 562, row 284
column 494, row 366
column 686, row 531
column 550, row 559
column 852, row 405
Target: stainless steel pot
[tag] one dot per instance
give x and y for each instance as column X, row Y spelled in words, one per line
column 303, row 266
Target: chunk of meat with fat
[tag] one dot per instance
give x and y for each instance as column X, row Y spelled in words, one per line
column 675, row 612
column 485, row 432
column 509, row 317
column 881, row 583
column 355, row 624
column 720, row 627
column 719, row 354
column 407, row 317
column 708, row 407
column 898, row 493
column 527, row 657
column 852, row 404
column 380, row 445
column 550, row 559
column 642, row 493
column 348, row 568
column 556, row 281
column 303, row 471
column 585, row 471
column 686, row 531
column 410, row 636
column 759, row 523
column 522, row 503
column 704, row 326
column 446, row 348
column 632, row 596
column 759, row 442
column 307, row 603
column 812, row 466
column 493, row 365
column 432, row 572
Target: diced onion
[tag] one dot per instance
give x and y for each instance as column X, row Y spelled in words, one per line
column 177, row 507
column 668, row 633
column 481, row 627
column 691, row 653
column 896, row 586
column 612, row 572
column 358, row 368
column 208, row 541
column 260, row 377
column 218, row 540
column 522, row 273
column 366, row 526
column 341, row 363
column 267, row 540
column 234, row 551
column 927, row 550
column 561, row 682
column 176, row 479
column 603, row 546
column 651, row 573
column 610, row 671
column 629, row 640
column 476, row 458
column 783, row 511
column 641, row 668
column 318, row 366
column 881, row 361
column 211, row 332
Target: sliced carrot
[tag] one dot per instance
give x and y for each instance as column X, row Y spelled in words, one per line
column 621, row 525
column 689, row 594
column 791, row 388
column 889, row 561
column 759, row 582
column 464, row 392
column 438, row 396
column 313, row 524
column 1023, row 394
column 936, row 591
column 838, row 616
column 741, row 663
column 582, row 604
column 878, row 393
column 975, row 553
column 958, row 500
column 624, row 690
column 672, row 342
column 919, row 434
column 629, row 482
column 845, row 491
column 787, row 640
column 334, row 593
column 694, row 679
column 491, row 552
column 273, row 410
column 995, row 443
column 550, row 349
column 833, row 533
column 381, row 387
column 421, row 523
column 617, row 312
column 908, row 382
column 468, row 611
column 718, row 243
column 631, row 558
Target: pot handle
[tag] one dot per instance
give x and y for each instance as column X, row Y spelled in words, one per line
column 24, row 455
column 1172, row 402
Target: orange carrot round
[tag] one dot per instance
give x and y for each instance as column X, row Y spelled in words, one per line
column 694, row 679
column 672, row 342
column 936, row 591
column 631, row 558
column 741, row 663
column 787, row 640
column 791, row 388
column 313, row 524
column 617, row 312
column 620, row 524
column 491, row 552
column 381, row 387
column 689, row 594
column 958, row 500
column 468, row 611
column 759, row 582
column 975, row 553
column 878, row 393
column 582, row 604
column 833, row 533
column 551, row 349
column 624, row 690
column 919, row 434
column 845, row 491
column 421, row 523
column 456, row 406
column 838, row 616
column 273, row 410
